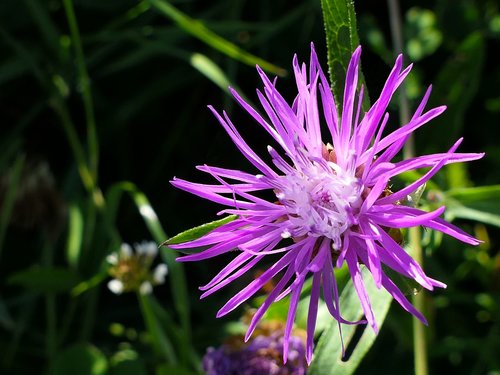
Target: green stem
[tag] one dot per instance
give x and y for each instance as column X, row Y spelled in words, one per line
column 84, row 83
column 60, row 108
column 419, row 339
column 161, row 344
column 397, row 41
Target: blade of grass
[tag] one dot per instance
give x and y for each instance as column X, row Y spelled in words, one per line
column 160, row 342
column 84, row 85
column 197, row 29
column 75, row 234
column 45, row 24
column 211, row 70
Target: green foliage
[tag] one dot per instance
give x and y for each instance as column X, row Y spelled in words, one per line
column 328, row 354
column 197, row 232
column 198, row 30
column 45, row 279
column 341, row 39
column 80, row 359
column 423, row 37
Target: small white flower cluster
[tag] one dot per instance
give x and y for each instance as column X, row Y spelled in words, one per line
column 131, row 270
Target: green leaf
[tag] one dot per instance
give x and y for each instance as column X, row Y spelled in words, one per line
column 342, row 39
column 75, row 235
column 45, row 279
column 80, row 359
column 127, row 362
column 197, row 232
column 161, row 343
column 474, row 195
column 197, row 29
column 457, row 84
column 475, row 203
column 327, row 356
column 211, row 70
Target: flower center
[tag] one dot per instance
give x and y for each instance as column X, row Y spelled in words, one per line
column 321, row 200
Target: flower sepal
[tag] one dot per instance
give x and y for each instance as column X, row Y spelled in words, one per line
column 196, row 233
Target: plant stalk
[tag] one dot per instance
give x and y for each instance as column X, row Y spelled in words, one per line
column 419, row 338
column 84, row 86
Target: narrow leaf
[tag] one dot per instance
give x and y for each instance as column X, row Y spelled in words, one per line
column 475, row 203
column 161, row 344
column 342, row 39
column 328, row 354
column 75, row 235
column 211, row 70
column 197, row 232
column 200, row 31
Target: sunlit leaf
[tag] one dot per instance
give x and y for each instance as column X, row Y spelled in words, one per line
column 342, row 39
column 210, row 70
column 75, row 234
column 328, row 353
column 197, row 232
column 475, row 203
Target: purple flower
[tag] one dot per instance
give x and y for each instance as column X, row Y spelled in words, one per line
column 261, row 356
column 331, row 201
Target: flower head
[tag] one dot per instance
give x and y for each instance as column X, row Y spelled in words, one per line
column 331, row 200
column 261, row 355
column 131, row 270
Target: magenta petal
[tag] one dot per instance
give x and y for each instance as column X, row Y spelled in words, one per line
column 401, row 299
column 312, row 315
column 352, row 263
column 255, row 285
column 269, row 300
column 292, row 309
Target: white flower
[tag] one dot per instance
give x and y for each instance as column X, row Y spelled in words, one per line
column 112, row 259
column 146, row 288
column 125, row 250
column 146, row 248
column 159, row 273
column 116, row 286
column 130, row 268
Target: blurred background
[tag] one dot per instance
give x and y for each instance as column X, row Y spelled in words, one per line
column 103, row 103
